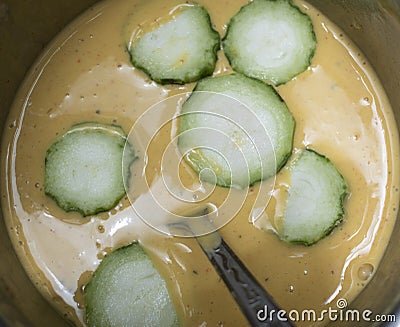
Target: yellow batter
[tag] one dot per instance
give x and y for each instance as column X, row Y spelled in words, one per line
column 340, row 110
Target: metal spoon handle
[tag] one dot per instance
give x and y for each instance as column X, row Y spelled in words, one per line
column 253, row 300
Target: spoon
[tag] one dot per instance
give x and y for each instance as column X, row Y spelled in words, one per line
column 256, row 304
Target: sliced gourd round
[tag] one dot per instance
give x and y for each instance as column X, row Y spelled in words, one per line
column 84, row 168
column 127, row 290
column 271, row 40
column 315, row 199
column 235, row 131
column 182, row 50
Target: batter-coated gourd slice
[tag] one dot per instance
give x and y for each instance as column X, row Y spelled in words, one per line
column 271, row 40
column 127, row 290
column 235, row 130
column 179, row 51
column 85, row 168
column 315, row 199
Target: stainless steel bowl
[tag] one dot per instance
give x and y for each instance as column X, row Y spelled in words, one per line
column 27, row 25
